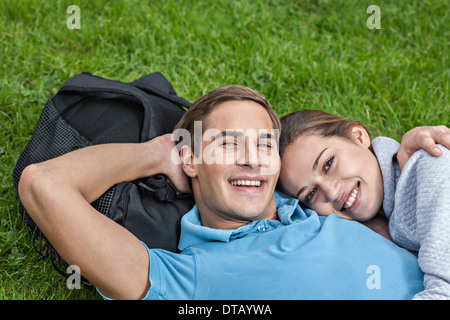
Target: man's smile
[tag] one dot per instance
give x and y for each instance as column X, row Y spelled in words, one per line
column 247, row 183
column 252, row 183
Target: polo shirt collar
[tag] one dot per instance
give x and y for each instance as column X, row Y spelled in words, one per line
column 192, row 231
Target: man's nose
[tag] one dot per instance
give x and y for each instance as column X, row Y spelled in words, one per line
column 248, row 155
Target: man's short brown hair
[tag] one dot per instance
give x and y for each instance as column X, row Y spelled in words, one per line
column 203, row 106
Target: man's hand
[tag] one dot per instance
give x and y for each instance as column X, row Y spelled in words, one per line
column 171, row 162
column 423, row 138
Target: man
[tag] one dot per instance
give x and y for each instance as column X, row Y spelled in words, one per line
column 240, row 241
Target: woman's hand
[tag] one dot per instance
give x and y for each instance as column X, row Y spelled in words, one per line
column 423, row 138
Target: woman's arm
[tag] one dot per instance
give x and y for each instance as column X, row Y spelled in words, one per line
column 421, row 219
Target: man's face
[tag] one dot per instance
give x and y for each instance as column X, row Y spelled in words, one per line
column 236, row 179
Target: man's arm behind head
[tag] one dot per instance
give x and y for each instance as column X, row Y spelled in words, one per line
column 57, row 195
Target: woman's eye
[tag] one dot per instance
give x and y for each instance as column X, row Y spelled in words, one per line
column 327, row 165
column 310, row 194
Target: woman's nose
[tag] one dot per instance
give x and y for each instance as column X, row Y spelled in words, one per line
column 331, row 190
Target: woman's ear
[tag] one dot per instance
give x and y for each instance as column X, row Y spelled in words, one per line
column 361, row 136
column 187, row 161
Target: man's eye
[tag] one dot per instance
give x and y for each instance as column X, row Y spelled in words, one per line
column 327, row 165
column 228, row 143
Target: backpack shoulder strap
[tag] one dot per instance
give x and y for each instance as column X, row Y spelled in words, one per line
column 156, row 83
column 87, row 84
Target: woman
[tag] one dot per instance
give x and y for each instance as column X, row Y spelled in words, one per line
column 331, row 166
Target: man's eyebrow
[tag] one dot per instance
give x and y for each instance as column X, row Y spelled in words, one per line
column 237, row 133
column 267, row 136
column 317, row 160
column 228, row 133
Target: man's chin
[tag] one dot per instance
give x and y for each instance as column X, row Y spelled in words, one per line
column 250, row 211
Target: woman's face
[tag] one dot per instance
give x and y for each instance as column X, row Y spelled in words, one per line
column 334, row 175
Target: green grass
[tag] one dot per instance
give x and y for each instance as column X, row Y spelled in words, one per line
column 299, row 54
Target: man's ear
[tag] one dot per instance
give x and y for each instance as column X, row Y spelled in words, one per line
column 361, row 136
column 187, row 161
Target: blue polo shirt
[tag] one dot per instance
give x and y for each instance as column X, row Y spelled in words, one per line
column 300, row 256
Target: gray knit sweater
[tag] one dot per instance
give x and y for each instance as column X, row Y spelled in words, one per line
column 417, row 204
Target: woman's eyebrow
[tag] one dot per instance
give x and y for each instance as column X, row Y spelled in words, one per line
column 300, row 192
column 317, row 160
column 316, row 163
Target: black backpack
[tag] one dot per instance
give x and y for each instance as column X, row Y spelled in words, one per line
column 91, row 110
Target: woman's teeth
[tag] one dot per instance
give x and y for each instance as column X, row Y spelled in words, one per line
column 351, row 198
column 255, row 183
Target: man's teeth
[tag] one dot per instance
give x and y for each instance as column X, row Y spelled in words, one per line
column 351, row 198
column 255, row 183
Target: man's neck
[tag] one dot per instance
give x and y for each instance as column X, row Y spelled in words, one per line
column 230, row 221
